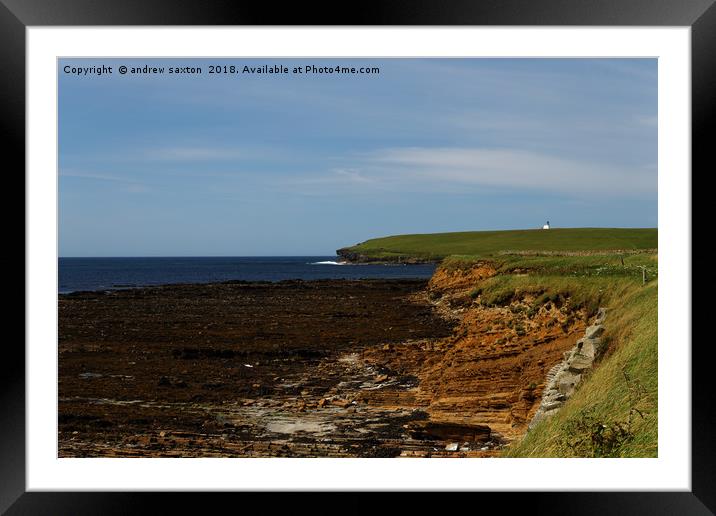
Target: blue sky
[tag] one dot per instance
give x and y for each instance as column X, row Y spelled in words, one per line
column 296, row 164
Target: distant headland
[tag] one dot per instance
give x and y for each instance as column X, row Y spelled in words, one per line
column 434, row 247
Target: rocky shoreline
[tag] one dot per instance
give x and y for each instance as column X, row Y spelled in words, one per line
column 325, row 368
column 350, row 256
column 242, row 369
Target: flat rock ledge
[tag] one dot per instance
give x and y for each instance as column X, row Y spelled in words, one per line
column 564, row 377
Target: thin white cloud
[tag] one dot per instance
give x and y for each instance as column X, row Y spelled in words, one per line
column 125, row 184
column 98, row 176
column 352, row 175
column 447, row 168
column 514, row 169
column 192, row 154
column 336, row 176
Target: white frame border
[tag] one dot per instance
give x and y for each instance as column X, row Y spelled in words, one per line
column 670, row 471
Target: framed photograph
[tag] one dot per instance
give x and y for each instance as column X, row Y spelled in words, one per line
column 415, row 250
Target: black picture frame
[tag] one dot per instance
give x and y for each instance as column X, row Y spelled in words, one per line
column 17, row 15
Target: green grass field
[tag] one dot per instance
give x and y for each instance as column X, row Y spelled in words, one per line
column 436, row 246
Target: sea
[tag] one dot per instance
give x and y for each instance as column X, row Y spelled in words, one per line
column 82, row 274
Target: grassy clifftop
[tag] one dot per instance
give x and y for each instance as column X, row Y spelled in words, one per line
column 436, row 246
column 614, row 411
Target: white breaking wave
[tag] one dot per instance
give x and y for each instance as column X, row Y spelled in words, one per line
column 327, row 263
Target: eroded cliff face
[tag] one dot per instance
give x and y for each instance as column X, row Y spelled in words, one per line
column 459, row 281
column 492, row 370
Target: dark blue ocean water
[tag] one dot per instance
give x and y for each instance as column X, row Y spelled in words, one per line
column 111, row 273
